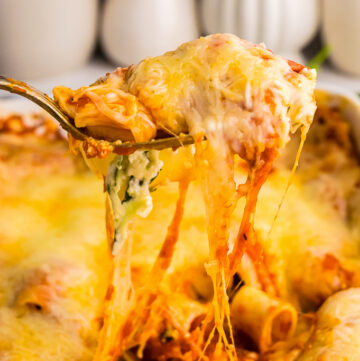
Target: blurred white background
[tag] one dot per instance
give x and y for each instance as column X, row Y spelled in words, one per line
column 73, row 42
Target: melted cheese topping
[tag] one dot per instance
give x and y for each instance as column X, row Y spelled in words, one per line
column 222, row 84
column 63, row 219
column 336, row 336
column 216, row 84
column 244, row 100
column 54, row 267
column 55, row 263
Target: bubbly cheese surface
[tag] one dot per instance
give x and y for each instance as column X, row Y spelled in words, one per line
column 54, row 267
column 336, row 336
column 54, row 225
column 242, row 90
column 217, row 84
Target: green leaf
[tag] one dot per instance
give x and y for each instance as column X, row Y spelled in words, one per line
column 319, row 58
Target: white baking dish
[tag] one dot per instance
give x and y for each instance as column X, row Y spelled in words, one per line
column 346, row 101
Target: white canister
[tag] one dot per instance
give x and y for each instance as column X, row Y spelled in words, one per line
column 285, row 26
column 341, row 31
column 40, row 38
column 133, row 30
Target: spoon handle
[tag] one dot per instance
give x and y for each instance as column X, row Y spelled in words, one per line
column 43, row 100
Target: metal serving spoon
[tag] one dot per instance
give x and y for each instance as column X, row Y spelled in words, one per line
column 48, row 104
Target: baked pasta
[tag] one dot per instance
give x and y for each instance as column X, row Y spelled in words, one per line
column 53, row 238
column 53, row 267
column 190, row 271
column 246, row 101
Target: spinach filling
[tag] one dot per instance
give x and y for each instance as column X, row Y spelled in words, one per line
column 127, row 183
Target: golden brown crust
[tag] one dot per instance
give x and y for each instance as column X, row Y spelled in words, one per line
column 36, row 124
column 33, row 144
